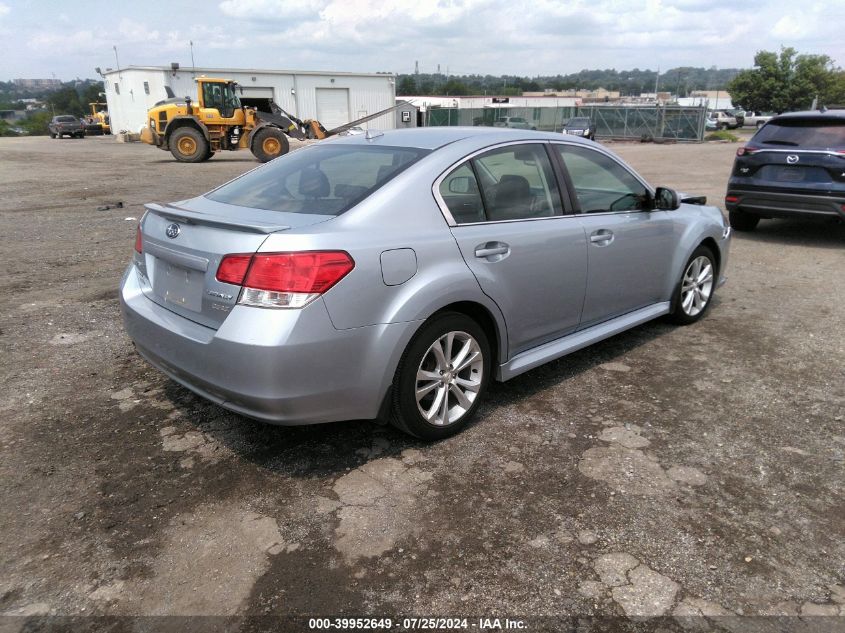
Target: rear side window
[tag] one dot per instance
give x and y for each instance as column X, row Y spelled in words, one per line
column 820, row 133
column 321, row 180
column 515, row 182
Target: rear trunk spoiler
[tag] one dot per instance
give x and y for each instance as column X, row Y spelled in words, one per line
column 179, row 214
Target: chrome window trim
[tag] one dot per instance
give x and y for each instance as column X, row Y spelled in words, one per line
column 444, row 209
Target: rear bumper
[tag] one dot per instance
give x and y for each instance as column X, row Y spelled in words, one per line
column 774, row 204
column 286, row 367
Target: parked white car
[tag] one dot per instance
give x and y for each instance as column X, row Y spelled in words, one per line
column 516, row 122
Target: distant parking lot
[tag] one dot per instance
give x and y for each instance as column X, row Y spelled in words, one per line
column 668, row 471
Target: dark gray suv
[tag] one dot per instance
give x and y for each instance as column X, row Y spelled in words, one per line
column 794, row 166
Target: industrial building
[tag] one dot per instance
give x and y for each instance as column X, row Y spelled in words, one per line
column 331, row 98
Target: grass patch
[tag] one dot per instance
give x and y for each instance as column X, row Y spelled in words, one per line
column 722, row 135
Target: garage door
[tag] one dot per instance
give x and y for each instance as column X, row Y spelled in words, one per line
column 333, row 106
column 255, row 92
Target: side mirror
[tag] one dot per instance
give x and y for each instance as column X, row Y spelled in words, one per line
column 666, row 199
column 461, row 184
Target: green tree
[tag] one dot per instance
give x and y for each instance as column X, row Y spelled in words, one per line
column 6, row 129
column 785, row 82
column 36, row 124
column 91, row 94
column 407, row 86
column 66, row 101
column 455, row 87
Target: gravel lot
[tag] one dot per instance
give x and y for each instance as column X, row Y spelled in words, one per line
column 668, row 471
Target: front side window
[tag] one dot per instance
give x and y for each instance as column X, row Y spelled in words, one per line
column 601, row 184
column 322, row 180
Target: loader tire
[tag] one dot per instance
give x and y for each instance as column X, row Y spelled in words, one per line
column 270, row 143
column 188, row 145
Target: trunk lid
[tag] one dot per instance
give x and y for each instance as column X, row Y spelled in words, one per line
column 183, row 244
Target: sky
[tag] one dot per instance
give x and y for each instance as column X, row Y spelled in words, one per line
column 68, row 39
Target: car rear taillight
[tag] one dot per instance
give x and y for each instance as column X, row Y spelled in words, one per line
column 139, row 243
column 284, row 280
column 745, row 151
column 232, row 269
column 732, row 199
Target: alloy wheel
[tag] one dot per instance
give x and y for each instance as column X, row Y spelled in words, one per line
column 697, row 286
column 449, row 378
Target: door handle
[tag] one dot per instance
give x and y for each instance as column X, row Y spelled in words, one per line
column 497, row 250
column 602, row 237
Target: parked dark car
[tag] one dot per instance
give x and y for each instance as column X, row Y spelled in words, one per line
column 794, row 166
column 66, row 125
column 580, row 126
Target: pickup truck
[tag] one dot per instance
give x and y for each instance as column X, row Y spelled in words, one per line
column 755, row 119
column 722, row 120
column 65, row 124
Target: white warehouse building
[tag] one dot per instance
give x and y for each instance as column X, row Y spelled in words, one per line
column 331, row 98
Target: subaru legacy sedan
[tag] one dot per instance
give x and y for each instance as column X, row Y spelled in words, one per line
column 394, row 275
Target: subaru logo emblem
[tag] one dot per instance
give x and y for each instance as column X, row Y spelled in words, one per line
column 172, row 230
column 792, row 159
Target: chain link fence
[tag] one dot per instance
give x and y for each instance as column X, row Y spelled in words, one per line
column 622, row 122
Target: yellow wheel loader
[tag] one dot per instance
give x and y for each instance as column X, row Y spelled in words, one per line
column 98, row 121
column 194, row 130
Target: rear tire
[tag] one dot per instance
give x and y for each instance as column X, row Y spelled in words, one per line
column 188, row 145
column 694, row 292
column 270, row 143
column 442, row 377
column 52, row 135
column 742, row 220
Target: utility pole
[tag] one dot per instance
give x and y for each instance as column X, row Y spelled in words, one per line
column 656, row 80
column 193, row 65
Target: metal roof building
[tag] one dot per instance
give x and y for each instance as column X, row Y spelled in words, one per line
column 332, row 98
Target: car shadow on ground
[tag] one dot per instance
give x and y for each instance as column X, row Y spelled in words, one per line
column 330, row 449
column 818, row 234
column 210, row 161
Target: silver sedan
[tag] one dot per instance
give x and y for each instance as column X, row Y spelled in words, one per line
column 394, row 275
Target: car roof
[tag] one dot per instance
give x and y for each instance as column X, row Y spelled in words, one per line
column 812, row 114
column 436, row 137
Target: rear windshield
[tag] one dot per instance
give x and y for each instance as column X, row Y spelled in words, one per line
column 827, row 133
column 323, row 180
column 65, row 119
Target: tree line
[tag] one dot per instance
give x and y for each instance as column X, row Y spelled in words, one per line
column 680, row 81
column 780, row 81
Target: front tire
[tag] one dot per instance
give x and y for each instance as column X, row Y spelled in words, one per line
column 270, row 143
column 695, row 289
column 742, row 220
column 442, row 377
column 188, row 145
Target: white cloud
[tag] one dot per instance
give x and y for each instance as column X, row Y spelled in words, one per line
column 525, row 37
